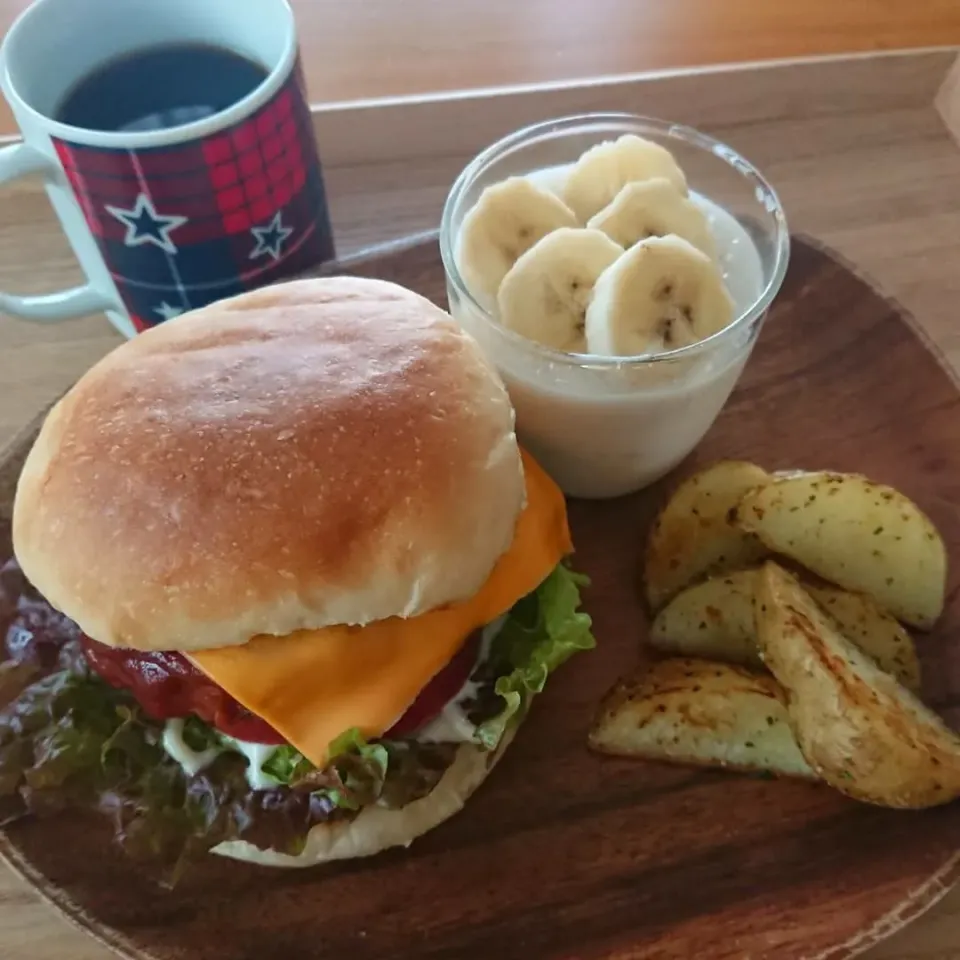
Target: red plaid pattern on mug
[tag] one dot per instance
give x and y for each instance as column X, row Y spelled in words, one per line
column 184, row 225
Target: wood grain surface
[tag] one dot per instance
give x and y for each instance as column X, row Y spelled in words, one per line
column 354, row 49
column 564, row 854
column 855, row 148
column 859, row 155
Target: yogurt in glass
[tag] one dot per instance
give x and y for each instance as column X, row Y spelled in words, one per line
column 607, row 426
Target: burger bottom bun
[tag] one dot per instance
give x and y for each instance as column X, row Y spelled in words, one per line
column 376, row 828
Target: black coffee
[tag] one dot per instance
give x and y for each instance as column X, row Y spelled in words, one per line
column 160, row 87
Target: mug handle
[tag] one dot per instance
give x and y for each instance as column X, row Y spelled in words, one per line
column 19, row 160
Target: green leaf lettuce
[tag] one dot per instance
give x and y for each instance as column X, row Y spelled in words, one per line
column 541, row 632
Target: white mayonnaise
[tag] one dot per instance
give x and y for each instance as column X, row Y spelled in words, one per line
column 257, row 755
column 451, row 725
column 193, row 761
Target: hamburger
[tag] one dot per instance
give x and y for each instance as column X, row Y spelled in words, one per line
column 310, row 582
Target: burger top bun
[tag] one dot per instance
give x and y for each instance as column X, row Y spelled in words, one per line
column 332, row 451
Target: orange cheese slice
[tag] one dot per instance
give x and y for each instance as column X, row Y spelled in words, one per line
column 313, row 685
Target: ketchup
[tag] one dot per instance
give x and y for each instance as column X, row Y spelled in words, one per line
column 168, row 685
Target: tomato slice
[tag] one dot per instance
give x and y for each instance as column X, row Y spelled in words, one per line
column 440, row 690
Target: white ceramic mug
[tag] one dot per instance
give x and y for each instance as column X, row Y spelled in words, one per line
column 164, row 221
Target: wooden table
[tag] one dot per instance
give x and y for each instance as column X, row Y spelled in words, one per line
column 382, row 191
column 354, row 49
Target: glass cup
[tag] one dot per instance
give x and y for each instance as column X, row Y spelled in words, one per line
column 607, row 426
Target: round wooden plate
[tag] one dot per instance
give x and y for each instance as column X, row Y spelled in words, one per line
column 565, row 854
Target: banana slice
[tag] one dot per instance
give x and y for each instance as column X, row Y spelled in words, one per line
column 507, row 220
column 654, row 208
column 663, row 293
column 603, row 171
column 545, row 294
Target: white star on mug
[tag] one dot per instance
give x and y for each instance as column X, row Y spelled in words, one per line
column 270, row 239
column 145, row 225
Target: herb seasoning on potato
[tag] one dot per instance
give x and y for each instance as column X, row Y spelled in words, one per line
column 780, row 602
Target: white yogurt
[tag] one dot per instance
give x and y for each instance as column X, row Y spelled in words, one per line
column 603, row 432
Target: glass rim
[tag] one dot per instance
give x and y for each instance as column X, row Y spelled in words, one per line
column 676, row 131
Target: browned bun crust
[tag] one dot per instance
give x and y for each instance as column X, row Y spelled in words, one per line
column 314, row 453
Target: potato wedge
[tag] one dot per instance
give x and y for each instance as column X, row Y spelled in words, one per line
column 873, row 630
column 857, row 534
column 714, row 619
column 692, row 536
column 705, row 714
column 863, row 732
